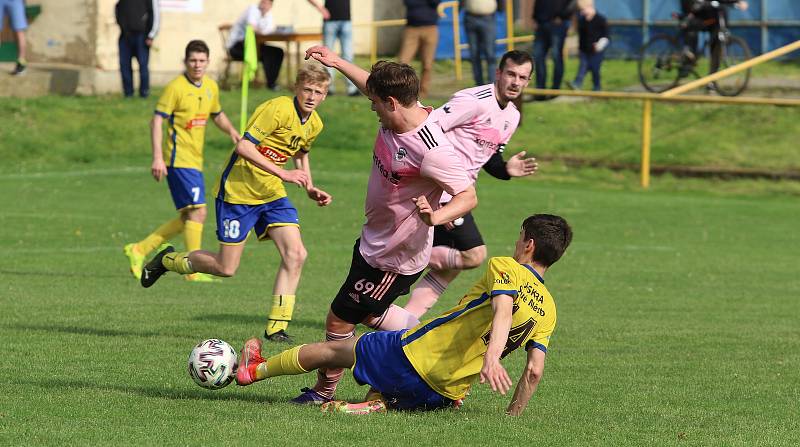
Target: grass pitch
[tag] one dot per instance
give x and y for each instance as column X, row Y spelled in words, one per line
column 677, row 305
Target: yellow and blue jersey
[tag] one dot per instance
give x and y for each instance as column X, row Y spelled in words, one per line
column 448, row 351
column 279, row 133
column 187, row 107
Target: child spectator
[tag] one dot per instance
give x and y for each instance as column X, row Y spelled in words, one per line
column 592, row 42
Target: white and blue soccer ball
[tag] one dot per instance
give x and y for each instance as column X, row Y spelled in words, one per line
column 213, row 363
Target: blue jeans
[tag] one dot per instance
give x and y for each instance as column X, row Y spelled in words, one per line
column 481, row 36
column 16, row 14
column 589, row 62
column 132, row 45
column 341, row 30
column 549, row 37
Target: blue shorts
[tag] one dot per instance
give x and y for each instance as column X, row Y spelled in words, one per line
column 234, row 221
column 16, row 14
column 187, row 187
column 381, row 363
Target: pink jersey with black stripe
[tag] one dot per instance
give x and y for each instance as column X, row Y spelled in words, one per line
column 476, row 125
column 405, row 166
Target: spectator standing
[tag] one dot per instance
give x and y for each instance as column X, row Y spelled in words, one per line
column 551, row 20
column 138, row 24
column 592, row 43
column 421, row 35
column 336, row 25
column 259, row 16
column 479, row 23
column 16, row 16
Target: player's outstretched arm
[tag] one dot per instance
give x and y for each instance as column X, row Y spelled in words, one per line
column 519, row 166
column 225, row 125
column 329, row 58
column 158, row 168
column 516, row 166
column 492, row 371
column 247, row 150
column 528, row 382
column 322, row 198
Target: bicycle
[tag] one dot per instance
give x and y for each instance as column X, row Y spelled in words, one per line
column 663, row 63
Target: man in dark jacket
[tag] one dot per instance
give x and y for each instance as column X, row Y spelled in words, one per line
column 551, row 20
column 138, row 22
column 702, row 15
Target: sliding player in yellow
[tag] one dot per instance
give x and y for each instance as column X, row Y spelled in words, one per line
column 433, row 364
column 250, row 195
column 187, row 103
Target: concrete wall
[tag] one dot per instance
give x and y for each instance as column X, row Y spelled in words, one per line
column 64, row 32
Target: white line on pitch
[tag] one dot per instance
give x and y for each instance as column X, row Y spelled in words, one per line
column 60, row 250
column 84, row 173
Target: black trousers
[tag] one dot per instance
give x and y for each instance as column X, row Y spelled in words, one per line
column 271, row 58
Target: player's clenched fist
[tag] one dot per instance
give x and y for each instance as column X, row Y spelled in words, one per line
column 425, row 210
column 295, row 176
column 158, row 169
column 321, row 197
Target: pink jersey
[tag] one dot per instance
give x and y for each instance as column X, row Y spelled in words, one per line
column 476, row 125
column 405, row 166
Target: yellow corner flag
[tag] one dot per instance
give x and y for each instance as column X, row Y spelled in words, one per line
column 248, row 71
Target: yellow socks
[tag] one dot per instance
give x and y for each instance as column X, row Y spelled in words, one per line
column 281, row 313
column 284, row 364
column 192, row 234
column 163, row 233
column 177, row 262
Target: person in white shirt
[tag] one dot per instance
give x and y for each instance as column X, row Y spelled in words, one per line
column 258, row 16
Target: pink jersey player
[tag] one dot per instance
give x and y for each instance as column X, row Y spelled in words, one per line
column 413, row 163
column 479, row 121
column 421, row 162
column 476, row 125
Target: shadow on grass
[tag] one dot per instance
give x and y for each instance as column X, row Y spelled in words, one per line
column 151, row 391
column 99, row 332
column 258, row 320
column 254, row 321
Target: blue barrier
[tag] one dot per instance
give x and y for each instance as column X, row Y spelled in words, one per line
column 766, row 25
column 444, row 49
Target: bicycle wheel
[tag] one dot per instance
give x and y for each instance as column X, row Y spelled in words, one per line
column 732, row 52
column 660, row 63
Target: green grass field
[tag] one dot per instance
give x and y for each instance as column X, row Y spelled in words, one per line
column 678, row 305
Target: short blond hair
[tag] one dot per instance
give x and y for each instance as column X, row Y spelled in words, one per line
column 585, row 4
column 313, row 73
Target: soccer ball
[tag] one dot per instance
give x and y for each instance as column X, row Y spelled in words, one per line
column 212, row 364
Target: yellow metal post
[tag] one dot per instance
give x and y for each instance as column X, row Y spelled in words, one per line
column 373, row 47
column 456, row 34
column 509, row 25
column 647, row 115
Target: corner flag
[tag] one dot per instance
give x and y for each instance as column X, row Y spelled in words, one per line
column 249, row 68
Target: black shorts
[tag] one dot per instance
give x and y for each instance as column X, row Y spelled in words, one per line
column 462, row 237
column 368, row 291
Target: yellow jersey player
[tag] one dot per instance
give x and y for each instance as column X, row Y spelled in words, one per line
column 433, row 364
column 250, row 195
column 187, row 104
